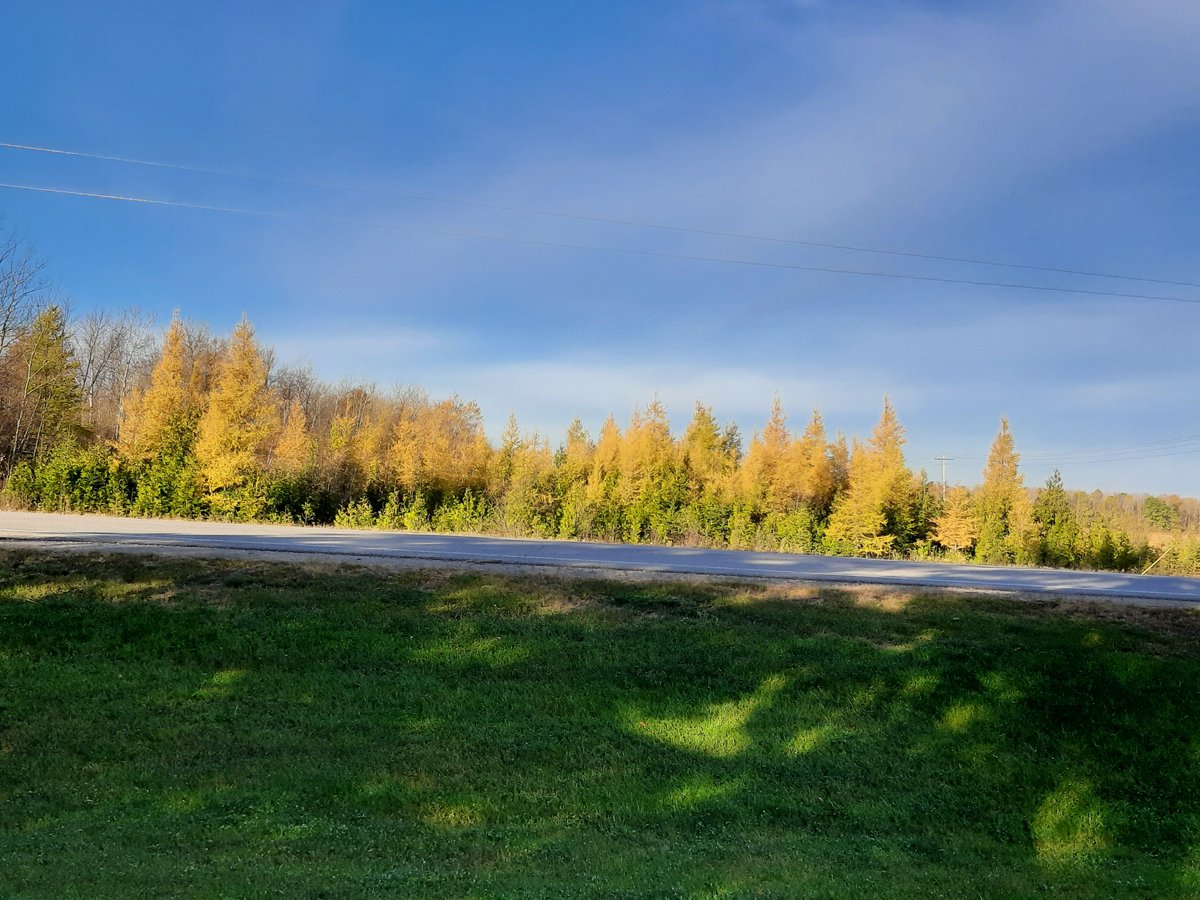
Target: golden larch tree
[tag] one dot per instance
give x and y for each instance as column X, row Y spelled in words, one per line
column 647, row 449
column 806, row 471
column 761, row 470
column 956, row 528
column 440, row 447
column 293, row 450
column 1003, row 506
column 710, row 461
column 575, row 456
column 874, row 513
column 241, row 416
column 156, row 416
column 573, row 464
column 352, row 439
column 895, row 478
column 605, row 459
column 857, row 523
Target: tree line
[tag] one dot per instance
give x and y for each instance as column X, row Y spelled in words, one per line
column 101, row 414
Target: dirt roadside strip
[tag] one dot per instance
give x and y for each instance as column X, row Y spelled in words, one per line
column 179, row 538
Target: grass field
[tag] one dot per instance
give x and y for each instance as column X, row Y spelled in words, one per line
column 244, row 729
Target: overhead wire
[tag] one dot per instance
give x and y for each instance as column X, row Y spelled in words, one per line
column 633, row 251
column 1188, row 441
column 1180, row 446
column 583, row 217
column 1115, row 458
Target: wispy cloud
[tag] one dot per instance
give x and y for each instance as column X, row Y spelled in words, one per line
column 377, row 354
column 547, row 393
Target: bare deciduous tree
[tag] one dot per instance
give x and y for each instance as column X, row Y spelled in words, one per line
column 114, row 350
column 23, row 290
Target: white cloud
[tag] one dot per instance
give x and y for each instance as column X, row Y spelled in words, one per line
column 547, row 393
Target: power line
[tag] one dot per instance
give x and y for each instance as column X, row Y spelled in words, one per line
column 1181, row 446
column 582, row 217
column 1129, row 457
column 1181, row 443
column 658, row 254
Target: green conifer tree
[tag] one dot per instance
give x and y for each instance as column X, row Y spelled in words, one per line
column 44, row 395
column 1058, row 531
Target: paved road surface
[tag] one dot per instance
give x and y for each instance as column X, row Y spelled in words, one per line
column 161, row 534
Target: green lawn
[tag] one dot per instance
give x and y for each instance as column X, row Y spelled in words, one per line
column 243, row 729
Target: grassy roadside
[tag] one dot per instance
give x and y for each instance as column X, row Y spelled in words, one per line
column 220, row 728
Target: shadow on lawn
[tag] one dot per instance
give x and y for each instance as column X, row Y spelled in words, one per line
column 435, row 732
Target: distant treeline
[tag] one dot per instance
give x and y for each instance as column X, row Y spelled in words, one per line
column 102, row 414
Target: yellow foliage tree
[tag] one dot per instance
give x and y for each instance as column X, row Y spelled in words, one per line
column 605, row 459
column 440, row 447
column 575, row 456
column 1004, row 510
column 1024, row 535
column 874, row 512
column 956, row 528
column 353, row 449
column 646, row 450
column 895, row 478
column 761, row 476
column 839, row 464
column 293, row 451
column 858, row 523
column 152, row 417
column 574, row 464
column 806, row 469
column 240, row 420
column 707, row 455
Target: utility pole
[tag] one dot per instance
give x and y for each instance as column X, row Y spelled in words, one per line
column 943, row 460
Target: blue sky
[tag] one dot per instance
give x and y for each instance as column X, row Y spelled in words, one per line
column 1057, row 134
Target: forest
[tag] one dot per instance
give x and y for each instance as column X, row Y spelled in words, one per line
column 106, row 413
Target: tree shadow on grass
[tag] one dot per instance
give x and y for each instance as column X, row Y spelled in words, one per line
column 474, row 735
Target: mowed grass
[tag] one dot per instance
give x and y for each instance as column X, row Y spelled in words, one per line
column 239, row 729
